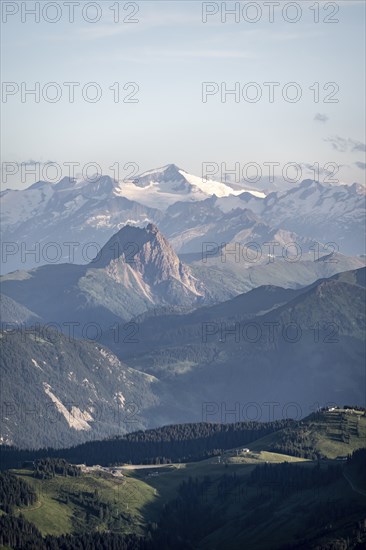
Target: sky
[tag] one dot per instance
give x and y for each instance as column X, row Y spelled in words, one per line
column 158, row 55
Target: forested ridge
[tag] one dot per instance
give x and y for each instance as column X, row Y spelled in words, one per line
column 287, row 477
column 14, row 492
column 174, row 443
column 188, row 518
column 20, row 534
column 46, row 468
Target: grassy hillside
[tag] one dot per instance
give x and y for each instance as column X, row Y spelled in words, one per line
column 331, row 434
column 63, row 503
column 247, row 516
column 223, row 501
column 137, row 494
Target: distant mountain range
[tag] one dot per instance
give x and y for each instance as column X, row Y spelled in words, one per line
column 271, row 346
column 47, row 218
column 309, row 212
column 183, row 296
column 136, row 271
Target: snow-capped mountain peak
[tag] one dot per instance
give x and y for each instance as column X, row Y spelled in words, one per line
column 162, row 187
column 185, row 207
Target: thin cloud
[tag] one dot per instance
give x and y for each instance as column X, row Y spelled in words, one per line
column 358, row 146
column 338, row 143
column 147, row 55
column 334, row 169
column 361, row 165
column 144, row 22
column 319, row 117
column 32, row 162
column 212, row 54
column 343, row 145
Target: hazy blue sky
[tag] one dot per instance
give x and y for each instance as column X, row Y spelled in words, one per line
column 169, row 53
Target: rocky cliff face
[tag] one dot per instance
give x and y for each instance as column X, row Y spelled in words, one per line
column 147, row 255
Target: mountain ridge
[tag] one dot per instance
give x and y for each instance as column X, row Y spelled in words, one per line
column 83, row 212
column 135, row 270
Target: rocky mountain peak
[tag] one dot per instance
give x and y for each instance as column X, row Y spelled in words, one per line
column 146, row 253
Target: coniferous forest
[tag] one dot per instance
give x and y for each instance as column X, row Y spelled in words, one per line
column 175, row 443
